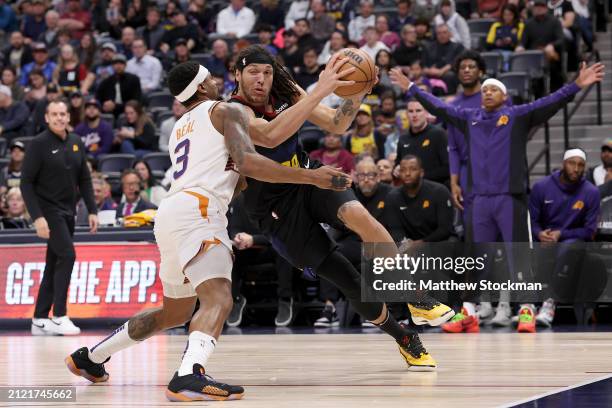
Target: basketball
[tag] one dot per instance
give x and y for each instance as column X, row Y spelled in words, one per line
column 363, row 76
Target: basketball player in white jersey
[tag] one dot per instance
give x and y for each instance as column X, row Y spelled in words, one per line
column 209, row 147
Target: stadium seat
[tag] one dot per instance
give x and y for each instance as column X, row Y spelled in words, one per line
column 517, row 84
column 532, row 62
column 161, row 116
column 2, row 147
column 494, row 61
column 24, row 139
column 159, row 163
column 4, row 162
column 160, row 99
column 478, row 41
column 114, row 164
column 202, row 58
column 310, row 137
column 480, row 25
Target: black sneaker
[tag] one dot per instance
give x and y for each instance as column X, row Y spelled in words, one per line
column 235, row 317
column 328, row 318
column 79, row 364
column 284, row 315
column 200, row 387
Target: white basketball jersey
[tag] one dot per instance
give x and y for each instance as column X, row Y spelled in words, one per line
column 200, row 158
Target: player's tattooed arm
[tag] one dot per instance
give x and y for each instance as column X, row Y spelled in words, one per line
column 348, row 110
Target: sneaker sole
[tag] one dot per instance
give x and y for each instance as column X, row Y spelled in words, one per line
column 190, row 396
column 82, row 373
column 421, row 369
column 39, row 331
column 420, row 321
column 237, row 323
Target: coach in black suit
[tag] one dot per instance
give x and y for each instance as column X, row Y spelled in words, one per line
column 131, row 185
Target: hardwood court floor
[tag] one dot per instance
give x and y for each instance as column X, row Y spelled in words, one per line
column 326, row 370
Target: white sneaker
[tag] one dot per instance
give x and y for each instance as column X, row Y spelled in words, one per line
column 366, row 324
column 502, row 315
column 40, row 327
column 63, row 326
column 546, row 315
column 485, row 313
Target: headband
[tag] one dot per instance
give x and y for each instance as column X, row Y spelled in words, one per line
column 574, row 153
column 193, row 85
column 497, row 83
column 254, row 58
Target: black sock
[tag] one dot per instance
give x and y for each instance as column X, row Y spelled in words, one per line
column 393, row 328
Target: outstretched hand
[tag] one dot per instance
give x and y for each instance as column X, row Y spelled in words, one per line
column 400, row 79
column 590, row 75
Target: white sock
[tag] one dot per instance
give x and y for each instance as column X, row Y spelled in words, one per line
column 200, row 347
column 116, row 341
column 470, row 308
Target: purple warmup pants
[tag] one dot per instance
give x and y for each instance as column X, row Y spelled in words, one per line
column 499, row 218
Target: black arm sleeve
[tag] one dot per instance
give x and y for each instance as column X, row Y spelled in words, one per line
column 29, row 174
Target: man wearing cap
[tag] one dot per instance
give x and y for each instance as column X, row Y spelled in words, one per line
column 181, row 29
column 96, row 134
column 104, row 68
column 119, row 88
column 144, row 66
column 13, row 115
column 10, row 176
column 599, row 174
column 41, row 62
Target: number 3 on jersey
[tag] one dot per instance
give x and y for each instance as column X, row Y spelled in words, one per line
column 181, row 159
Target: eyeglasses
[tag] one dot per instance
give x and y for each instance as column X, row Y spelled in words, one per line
column 363, row 176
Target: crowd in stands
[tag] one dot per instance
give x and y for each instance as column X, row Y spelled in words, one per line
column 108, row 59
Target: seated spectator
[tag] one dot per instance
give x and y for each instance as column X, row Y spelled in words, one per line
column 76, row 110
column 420, row 210
column 333, row 154
column 153, row 31
column 597, row 175
column 305, row 39
column 401, row 17
column 18, row 54
column 298, row 9
column 165, row 129
column 361, row 138
column 220, row 57
column 385, row 171
column 70, row 75
column 439, row 57
column 322, row 24
column 8, row 23
column 181, row 54
column 308, row 73
column 128, row 85
column 384, row 61
column 181, row 29
column 427, row 142
column 564, row 11
column 40, row 107
column 389, row 38
column 151, row 189
column 9, row 78
column 584, row 22
column 409, row 50
column 236, row 20
column 505, row 35
column 75, row 19
column 49, row 36
column 132, row 202
column 365, row 19
column 291, row 53
column 99, row 23
column 202, row 15
column 104, row 68
column 336, row 42
column 36, row 89
column 146, row 67
column 104, row 202
column 87, row 51
column 10, row 176
column 137, row 132
column 265, row 35
column 41, row 62
column 460, row 32
column 386, row 134
column 33, row 23
column 417, row 76
column 13, row 115
column 16, row 216
column 135, row 16
column 423, row 32
column 271, row 14
column 372, row 43
column 96, row 134
column 128, row 35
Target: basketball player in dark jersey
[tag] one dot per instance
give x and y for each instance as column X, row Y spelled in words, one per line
column 290, row 215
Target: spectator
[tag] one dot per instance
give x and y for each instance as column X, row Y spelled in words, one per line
column 583, row 19
column 146, row 67
column 597, row 175
column 17, row 54
column 409, row 50
column 99, row 23
column 384, row 61
column 387, row 134
column 70, row 75
column 33, row 25
column 425, row 10
column 132, row 202
column 8, row 19
column 438, row 58
column 420, row 210
column 151, row 189
column 366, row 18
column 220, row 57
column 201, row 15
column 322, row 24
column 372, row 43
column 271, row 14
column 104, row 68
column 402, row 16
column 181, row 54
column 333, row 154
column 489, row 8
column 76, row 110
column 385, row 171
column 236, row 20
column 308, row 73
column 302, row 30
column 41, row 62
column 128, row 35
column 49, row 36
column 423, row 32
column 182, row 29
column 165, row 129
column 87, row 50
column 152, row 32
column 9, row 78
column 297, row 10
column 36, row 89
column 389, row 38
column 291, row 54
column 505, row 35
column 13, row 115
column 75, row 19
column 564, row 11
column 417, row 76
column 127, row 84
column 103, row 201
column 16, row 216
column 137, row 132
column 10, row 176
column 425, row 141
column 605, row 219
column 136, row 13
column 96, row 134
column 265, row 35
column 336, row 42
column 361, row 138
column 40, row 107
column 460, row 32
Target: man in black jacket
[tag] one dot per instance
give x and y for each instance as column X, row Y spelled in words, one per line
column 129, row 87
column 54, row 173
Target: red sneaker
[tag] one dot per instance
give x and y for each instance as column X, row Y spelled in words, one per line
column 527, row 321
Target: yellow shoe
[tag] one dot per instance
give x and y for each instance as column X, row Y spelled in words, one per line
column 417, row 358
column 430, row 312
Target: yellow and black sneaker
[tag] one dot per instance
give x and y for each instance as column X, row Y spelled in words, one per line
column 417, row 358
column 79, row 364
column 200, row 387
column 429, row 311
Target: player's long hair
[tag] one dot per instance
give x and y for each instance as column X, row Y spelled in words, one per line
column 283, row 86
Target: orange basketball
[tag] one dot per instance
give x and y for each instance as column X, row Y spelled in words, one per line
column 364, row 73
